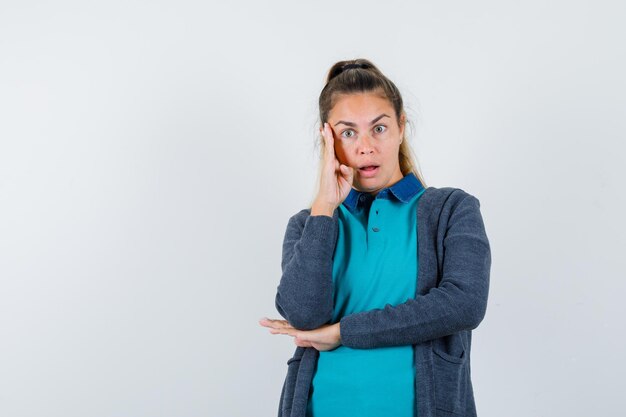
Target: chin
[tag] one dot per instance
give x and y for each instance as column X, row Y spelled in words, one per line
column 369, row 185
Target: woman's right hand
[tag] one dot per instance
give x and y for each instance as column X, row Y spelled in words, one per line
column 335, row 181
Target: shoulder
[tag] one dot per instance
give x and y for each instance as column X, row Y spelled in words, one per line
column 448, row 197
column 445, row 204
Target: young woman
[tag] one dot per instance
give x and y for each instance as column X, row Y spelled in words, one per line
column 383, row 278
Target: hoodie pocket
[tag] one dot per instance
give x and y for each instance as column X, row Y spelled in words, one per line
column 451, row 373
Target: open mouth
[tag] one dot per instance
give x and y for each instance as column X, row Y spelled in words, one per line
column 369, row 171
column 369, row 168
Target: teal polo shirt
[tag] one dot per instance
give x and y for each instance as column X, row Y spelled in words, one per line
column 375, row 263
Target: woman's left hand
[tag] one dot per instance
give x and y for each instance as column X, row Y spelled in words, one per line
column 323, row 338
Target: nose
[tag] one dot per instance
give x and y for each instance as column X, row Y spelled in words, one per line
column 365, row 144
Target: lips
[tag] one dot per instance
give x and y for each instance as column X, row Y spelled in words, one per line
column 368, row 171
column 368, row 166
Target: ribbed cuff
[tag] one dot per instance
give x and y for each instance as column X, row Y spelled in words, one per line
column 350, row 333
column 320, row 227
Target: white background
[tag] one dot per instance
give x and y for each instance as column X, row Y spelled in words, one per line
column 151, row 153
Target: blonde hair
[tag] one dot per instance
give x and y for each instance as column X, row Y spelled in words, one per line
column 361, row 76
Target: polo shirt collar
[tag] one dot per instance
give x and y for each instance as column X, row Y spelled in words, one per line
column 403, row 191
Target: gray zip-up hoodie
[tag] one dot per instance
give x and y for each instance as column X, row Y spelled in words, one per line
column 451, row 300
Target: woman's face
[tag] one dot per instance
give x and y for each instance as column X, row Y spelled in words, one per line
column 366, row 133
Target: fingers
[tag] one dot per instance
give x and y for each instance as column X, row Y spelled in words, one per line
column 347, row 173
column 289, row 331
column 275, row 324
column 329, row 143
column 329, row 149
column 278, row 326
column 303, row 343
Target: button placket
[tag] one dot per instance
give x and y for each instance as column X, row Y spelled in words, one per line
column 375, row 226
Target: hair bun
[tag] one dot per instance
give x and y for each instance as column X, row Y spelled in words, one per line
column 348, row 66
column 338, row 68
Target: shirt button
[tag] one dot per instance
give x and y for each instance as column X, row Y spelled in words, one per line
column 376, row 229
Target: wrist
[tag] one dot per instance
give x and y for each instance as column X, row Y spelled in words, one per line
column 325, row 209
column 338, row 329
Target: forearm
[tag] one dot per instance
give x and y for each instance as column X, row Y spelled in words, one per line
column 427, row 317
column 457, row 303
column 305, row 294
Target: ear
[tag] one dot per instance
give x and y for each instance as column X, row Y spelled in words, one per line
column 402, row 124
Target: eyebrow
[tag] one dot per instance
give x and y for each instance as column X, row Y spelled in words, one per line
column 354, row 124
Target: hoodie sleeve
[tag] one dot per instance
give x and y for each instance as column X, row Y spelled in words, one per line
column 304, row 296
column 458, row 303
